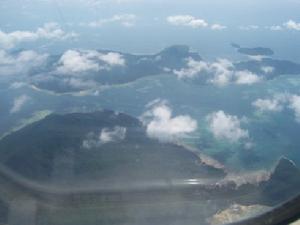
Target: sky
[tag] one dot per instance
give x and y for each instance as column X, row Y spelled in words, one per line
column 143, row 26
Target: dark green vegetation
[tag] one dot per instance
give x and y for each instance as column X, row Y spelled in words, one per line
column 283, row 184
column 278, row 67
column 48, row 77
column 136, row 66
column 256, row 51
column 53, row 149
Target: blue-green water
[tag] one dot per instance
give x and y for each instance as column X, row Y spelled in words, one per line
column 272, row 134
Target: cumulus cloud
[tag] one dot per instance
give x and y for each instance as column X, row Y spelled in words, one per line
column 275, row 28
column 217, row 26
column 19, row 103
column 112, row 59
column 91, row 3
column 192, row 70
column 162, row 125
column 289, row 25
column 187, row 20
column 48, row 31
column 246, row 77
column 220, row 72
column 112, row 135
column 74, row 61
column 67, row 74
column 20, row 63
column 97, row 3
column 193, row 22
column 278, row 103
column 295, row 106
column 273, row 105
column 77, row 71
column 227, row 127
column 127, row 20
column 292, row 25
column 249, row 27
column 107, row 135
column 267, row 69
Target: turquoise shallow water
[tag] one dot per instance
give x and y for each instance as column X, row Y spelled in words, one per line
column 272, row 134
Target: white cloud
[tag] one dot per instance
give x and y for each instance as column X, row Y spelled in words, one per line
column 20, row 63
column 219, row 73
column 217, row 27
column 112, row 135
column 53, row 31
column 191, row 21
column 112, row 58
column 275, row 28
column 292, row 25
column 98, row 3
column 273, row 105
column 295, row 105
column 163, row 126
column 222, row 72
column 127, row 20
column 249, row 27
column 267, row 69
column 280, row 102
column 48, row 31
column 74, row 61
column 18, row 103
column 187, row 20
column 107, row 135
column 91, row 3
column 246, row 77
column 193, row 69
column 228, row 127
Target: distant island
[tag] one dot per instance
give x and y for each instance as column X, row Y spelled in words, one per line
column 135, row 67
column 255, row 51
column 102, row 68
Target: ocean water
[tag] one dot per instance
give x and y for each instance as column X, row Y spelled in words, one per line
column 272, row 134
